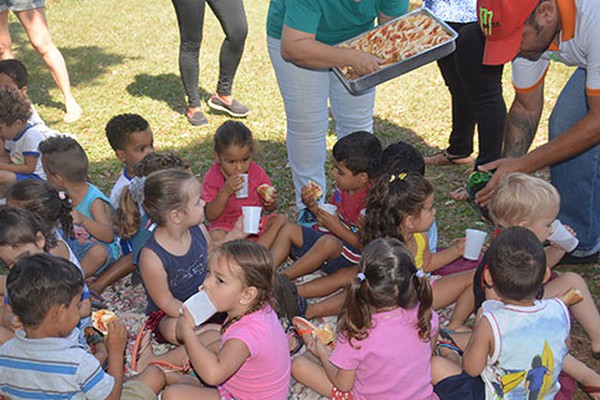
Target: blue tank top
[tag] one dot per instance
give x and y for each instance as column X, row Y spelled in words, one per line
column 184, row 273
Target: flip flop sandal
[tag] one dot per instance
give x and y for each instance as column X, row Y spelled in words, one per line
column 444, row 158
column 136, row 347
column 293, row 334
column 588, row 390
column 97, row 300
column 448, row 342
column 170, row 367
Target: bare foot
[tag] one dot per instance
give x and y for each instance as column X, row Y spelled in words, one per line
column 74, row 112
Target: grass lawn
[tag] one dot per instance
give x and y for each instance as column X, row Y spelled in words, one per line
column 122, row 57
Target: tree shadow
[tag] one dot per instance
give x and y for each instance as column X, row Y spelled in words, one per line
column 163, row 87
column 78, row 60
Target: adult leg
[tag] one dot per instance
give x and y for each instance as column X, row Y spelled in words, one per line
column 463, row 120
column 351, row 112
column 304, row 92
column 190, row 20
column 232, row 17
column 5, row 41
column 483, row 84
column 577, row 179
column 35, row 24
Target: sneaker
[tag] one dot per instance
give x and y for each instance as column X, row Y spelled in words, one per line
column 235, row 108
column 197, row 119
column 306, row 218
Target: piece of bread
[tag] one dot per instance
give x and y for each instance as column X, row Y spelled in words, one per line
column 267, row 192
column 571, row 296
column 101, row 318
column 314, row 190
column 303, row 326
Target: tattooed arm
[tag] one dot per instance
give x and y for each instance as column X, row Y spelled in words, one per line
column 580, row 137
column 522, row 122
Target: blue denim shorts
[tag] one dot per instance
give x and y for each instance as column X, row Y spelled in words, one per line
column 22, row 177
column 309, row 238
column 20, row 5
column 80, row 249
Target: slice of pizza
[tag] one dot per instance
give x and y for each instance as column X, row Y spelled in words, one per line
column 101, row 318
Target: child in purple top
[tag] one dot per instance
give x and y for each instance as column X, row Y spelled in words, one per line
column 384, row 332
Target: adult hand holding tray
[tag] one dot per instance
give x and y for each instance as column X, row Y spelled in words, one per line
column 200, row 307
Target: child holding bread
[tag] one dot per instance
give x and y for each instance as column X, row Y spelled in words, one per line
column 224, row 185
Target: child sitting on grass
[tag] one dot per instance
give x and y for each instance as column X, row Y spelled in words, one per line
column 131, row 139
column 384, row 333
column 357, row 159
column 21, row 159
column 13, row 73
column 45, row 293
column 233, row 150
column 523, row 200
column 94, row 242
column 518, row 346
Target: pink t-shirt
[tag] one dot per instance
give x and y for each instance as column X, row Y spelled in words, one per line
column 392, row 362
column 266, row 373
column 214, row 181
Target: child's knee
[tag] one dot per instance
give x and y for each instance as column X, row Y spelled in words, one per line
column 572, row 280
column 96, row 255
column 300, row 366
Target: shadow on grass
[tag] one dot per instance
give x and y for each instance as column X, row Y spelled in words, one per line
column 163, row 87
column 78, row 60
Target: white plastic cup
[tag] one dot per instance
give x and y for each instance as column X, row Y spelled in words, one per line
column 243, row 192
column 329, row 208
column 251, row 219
column 201, row 307
column 562, row 237
column 474, row 243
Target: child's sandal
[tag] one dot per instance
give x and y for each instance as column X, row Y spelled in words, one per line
column 589, row 390
column 295, row 335
column 136, row 347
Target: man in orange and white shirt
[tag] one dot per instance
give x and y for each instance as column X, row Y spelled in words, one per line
column 531, row 33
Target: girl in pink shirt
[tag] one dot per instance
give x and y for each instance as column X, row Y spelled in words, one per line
column 251, row 359
column 222, row 183
column 384, row 333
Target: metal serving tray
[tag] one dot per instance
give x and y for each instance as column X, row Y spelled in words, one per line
column 359, row 85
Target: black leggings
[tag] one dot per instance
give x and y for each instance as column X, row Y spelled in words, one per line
column 476, row 91
column 190, row 18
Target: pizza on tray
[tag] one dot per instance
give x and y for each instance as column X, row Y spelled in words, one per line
column 398, row 40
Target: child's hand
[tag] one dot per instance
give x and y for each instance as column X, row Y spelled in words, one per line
column 116, row 338
column 458, row 248
column 185, row 324
column 316, row 347
column 270, row 205
column 233, row 183
column 77, row 217
column 237, row 232
column 325, row 219
column 307, row 198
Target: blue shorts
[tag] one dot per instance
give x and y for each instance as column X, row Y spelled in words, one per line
column 460, row 387
column 23, row 177
column 20, row 5
column 80, row 249
column 310, row 237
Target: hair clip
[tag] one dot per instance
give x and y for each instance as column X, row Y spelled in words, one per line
column 420, row 274
column 400, row 176
column 361, row 277
column 136, row 188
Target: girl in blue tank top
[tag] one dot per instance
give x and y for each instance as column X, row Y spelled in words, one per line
column 173, row 260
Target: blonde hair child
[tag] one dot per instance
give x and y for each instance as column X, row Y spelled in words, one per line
column 173, row 260
column 530, row 202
